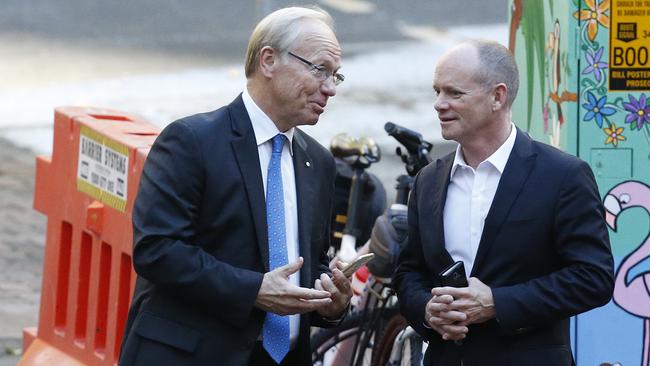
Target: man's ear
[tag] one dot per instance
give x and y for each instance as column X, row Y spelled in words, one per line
column 500, row 95
column 268, row 61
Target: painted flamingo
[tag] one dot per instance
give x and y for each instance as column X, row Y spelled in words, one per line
column 632, row 295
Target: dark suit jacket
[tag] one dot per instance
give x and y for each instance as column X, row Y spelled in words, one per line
column 201, row 245
column 544, row 252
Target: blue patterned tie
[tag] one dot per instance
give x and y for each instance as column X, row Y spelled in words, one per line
column 276, row 327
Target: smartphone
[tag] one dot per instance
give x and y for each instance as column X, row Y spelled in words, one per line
column 356, row 264
column 454, row 275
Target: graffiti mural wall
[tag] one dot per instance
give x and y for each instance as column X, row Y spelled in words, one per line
column 585, row 88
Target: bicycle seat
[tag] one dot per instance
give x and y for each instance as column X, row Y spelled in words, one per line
column 345, row 146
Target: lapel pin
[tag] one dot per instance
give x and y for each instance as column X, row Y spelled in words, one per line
column 307, row 163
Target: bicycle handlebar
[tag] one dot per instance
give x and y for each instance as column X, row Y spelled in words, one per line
column 418, row 149
column 411, row 140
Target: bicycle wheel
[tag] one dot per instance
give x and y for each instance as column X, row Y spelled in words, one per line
column 381, row 353
column 328, row 339
column 361, row 335
column 410, row 353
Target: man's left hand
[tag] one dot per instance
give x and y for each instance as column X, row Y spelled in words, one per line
column 475, row 301
column 339, row 286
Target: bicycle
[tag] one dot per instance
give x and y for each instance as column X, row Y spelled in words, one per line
column 356, row 155
column 407, row 348
column 400, row 344
column 376, row 319
column 365, row 193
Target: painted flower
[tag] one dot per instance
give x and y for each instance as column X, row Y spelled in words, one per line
column 594, row 14
column 594, row 65
column 639, row 111
column 614, row 135
column 597, row 109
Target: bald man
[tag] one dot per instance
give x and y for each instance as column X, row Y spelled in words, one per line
column 525, row 219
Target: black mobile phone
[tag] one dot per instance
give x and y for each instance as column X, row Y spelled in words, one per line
column 454, row 275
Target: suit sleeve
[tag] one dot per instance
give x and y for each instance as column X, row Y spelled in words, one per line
column 412, row 279
column 584, row 278
column 323, row 259
column 164, row 222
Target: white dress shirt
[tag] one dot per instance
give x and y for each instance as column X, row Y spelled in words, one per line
column 469, row 197
column 265, row 130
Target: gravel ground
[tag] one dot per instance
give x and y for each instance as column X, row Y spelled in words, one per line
column 22, row 239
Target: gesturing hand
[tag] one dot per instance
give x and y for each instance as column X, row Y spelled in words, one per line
column 339, row 286
column 280, row 296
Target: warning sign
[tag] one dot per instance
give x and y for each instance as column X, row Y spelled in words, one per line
column 629, row 51
column 103, row 168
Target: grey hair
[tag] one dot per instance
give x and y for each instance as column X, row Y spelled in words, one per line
column 496, row 65
column 280, row 30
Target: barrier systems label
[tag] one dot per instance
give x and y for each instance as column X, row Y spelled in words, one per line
column 629, row 48
column 102, row 170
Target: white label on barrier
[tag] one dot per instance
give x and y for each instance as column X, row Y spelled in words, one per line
column 103, row 168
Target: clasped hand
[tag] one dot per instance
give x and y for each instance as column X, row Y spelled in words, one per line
column 278, row 295
column 451, row 310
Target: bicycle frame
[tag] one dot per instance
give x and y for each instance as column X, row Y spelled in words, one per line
column 377, row 293
column 359, row 154
column 397, row 353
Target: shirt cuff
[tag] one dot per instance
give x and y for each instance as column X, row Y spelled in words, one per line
column 338, row 320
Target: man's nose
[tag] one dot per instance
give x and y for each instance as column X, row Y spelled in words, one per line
column 328, row 87
column 438, row 104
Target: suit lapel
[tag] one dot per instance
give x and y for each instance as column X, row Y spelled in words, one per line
column 515, row 174
column 434, row 208
column 305, row 174
column 245, row 149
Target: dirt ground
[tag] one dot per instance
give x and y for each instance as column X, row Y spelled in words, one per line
column 22, row 239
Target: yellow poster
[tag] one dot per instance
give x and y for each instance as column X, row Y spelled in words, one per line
column 629, row 51
column 102, row 168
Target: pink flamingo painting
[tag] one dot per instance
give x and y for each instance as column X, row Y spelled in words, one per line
column 633, row 294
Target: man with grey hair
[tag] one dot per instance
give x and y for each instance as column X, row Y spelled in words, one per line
column 523, row 219
column 231, row 222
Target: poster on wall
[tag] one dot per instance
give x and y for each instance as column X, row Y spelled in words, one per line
column 629, row 45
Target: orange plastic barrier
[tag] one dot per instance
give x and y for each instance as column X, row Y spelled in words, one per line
column 86, row 189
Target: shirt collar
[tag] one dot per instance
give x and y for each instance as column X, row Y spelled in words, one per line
column 263, row 127
column 498, row 159
column 459, row 161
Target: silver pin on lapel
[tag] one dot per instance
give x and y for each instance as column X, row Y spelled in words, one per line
column 307, row 163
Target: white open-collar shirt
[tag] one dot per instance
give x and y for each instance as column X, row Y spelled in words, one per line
column 469, row 197
column 265, row 130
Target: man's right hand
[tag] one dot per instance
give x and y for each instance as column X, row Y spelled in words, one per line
column 280, row 296
column 439, row 315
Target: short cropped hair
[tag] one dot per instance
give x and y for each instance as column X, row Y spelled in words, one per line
column 280, row 30
column 496, row 65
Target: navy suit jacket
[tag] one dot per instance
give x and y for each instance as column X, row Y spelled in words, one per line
column 544, row 252
column 200, row 241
